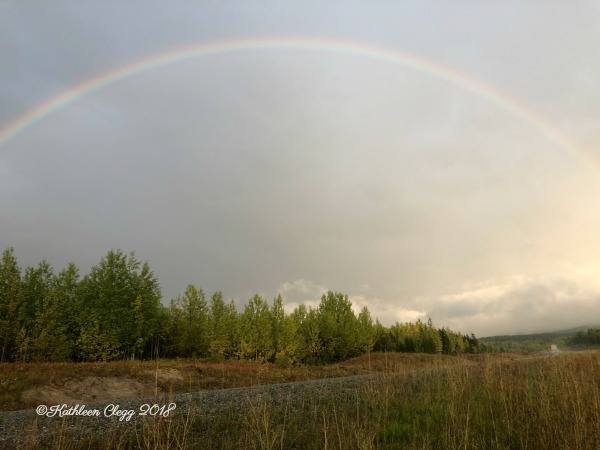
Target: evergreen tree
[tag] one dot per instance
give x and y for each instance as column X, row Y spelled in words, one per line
column 430, row 338
column 448, row 347
column 383, row 339
column 10, row 300
column 471, row 343
column 365, row 332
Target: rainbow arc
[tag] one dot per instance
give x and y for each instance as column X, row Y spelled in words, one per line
column 477, row 87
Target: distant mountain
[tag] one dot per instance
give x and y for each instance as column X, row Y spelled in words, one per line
column 580, row 328
column 536, row 342
column 568, row 331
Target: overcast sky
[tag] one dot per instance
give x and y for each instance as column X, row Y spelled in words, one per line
column 299, row 170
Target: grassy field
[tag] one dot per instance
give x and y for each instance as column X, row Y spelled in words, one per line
column 482, row 402
column 177, row 376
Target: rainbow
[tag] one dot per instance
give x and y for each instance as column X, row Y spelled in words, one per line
column 512, row 106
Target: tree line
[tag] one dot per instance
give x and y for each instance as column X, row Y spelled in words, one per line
column 589, row 337
column 115, row 312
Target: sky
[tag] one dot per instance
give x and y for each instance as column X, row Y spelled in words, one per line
column 428, row 159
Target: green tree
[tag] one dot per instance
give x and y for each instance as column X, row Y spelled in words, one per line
column 337, row 327
column 36, row 285
column 108, row 294
column 174, row 326
column 277, row 325
column 430, row 338
column 289, row 353
column 145, row 310
column 95, row 343
column 10, row 299
column 52, row 335
column 195, row 322
column 365, row 331
column 448, row 347
column 256, row 339
column 309, row 345
column 67, row 285
column 285, row 340
column 452, row 342
column 471, row 343
column 383, row 338
column 405, row 337
column 139, row 330
column 49, row 339
column 161, row 343
column 234, row 330
column 218, row 335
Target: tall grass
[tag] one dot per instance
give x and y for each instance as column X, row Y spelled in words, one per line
column 551, row 402
column 542, row 403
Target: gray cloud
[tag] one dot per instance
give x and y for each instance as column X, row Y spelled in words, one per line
column 295, row 170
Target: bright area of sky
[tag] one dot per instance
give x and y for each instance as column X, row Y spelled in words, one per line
column 299, row 170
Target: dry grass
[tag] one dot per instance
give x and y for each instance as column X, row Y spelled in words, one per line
column 498, row 403
column 178, row 376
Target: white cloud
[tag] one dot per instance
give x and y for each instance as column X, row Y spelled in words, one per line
column 301, row 291
column 304, row 287
column 309, row 293
column 387, row 312
column 520, row 304
column 511, row 305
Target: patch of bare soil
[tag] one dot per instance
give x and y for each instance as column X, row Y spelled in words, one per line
column 90, row 389
column 166, row 374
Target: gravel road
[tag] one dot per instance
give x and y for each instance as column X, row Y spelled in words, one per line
column 204, row 403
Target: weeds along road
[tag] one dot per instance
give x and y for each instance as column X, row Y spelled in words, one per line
column 24, row 425
column 14, row 424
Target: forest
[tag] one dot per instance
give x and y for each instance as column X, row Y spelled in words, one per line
column 590, row 337
column 115, row 312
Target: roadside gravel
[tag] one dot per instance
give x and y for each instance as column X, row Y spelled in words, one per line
column 19, row 427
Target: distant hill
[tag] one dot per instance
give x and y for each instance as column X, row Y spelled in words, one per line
column 536, row 342
column 558, row 332
column 580, row 328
